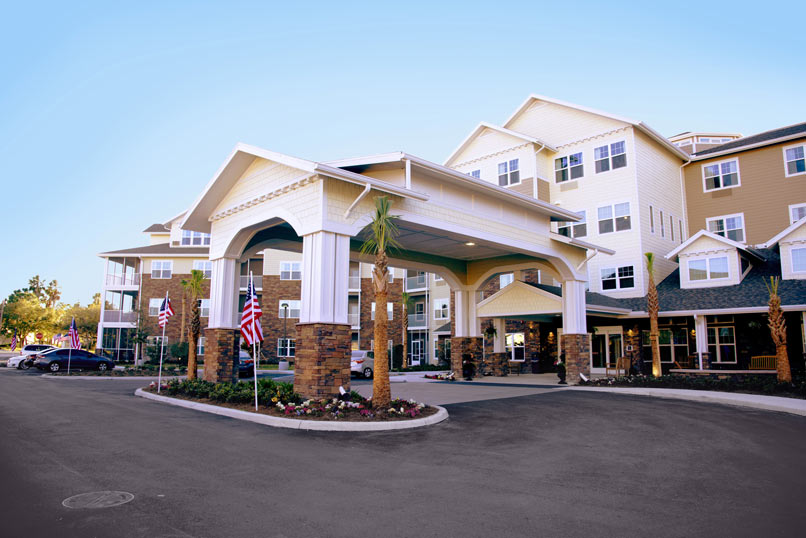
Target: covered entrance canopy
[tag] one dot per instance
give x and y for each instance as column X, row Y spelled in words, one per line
column 459, row 227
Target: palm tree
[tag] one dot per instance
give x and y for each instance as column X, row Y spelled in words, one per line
column 184, row 316
column 383, row 231
column 652, row 307
column 193, row 289
column 777, row 326
column 404, row 301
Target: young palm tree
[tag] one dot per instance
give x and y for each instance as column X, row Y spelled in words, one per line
column 383, row 231
column 404, row 302
column 193, row 289
column 778, row 331
column 652, row 307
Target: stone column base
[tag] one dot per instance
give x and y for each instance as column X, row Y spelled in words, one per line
column 576, row 349
column 322, row 362
column 706, row 360
column 461, row 345
column 497, row 364
column 220, row 354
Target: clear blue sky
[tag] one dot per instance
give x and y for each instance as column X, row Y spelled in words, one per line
column 114, row 116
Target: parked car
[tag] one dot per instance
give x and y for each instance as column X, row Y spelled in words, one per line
column 25, row 358
column 245, row 364
column 56, row 360
column 362, row 363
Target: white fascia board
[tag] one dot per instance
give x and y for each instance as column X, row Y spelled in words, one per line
column 718, row 311
column 786, row 231
column 728, row 242
column 486, row 125
column 376, row 184
column 690, row 134
column 525, row 287
column 663, row 141
column 577, row 243
column 740, row 149
column 167, row 222
column 366, row 160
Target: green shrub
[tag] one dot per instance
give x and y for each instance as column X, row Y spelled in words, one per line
column 754, row 384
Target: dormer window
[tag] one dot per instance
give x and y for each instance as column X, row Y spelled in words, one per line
column 195, row 238
column 798, row 260
column 715, row 268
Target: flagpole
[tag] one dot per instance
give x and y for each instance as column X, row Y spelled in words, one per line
column 254, row 339
column 162, row 347
column 69, row 356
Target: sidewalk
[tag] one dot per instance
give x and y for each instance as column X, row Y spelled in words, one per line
column 795, row 406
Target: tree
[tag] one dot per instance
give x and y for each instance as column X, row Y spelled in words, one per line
column 25, row 314
column 48, row 294
column 87, row 318
column 193, row 290
column 183, row 317
column 382, row 233
column 652, row 308
column 777, row 326
column 405, row 299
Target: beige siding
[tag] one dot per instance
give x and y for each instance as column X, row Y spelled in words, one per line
column 559, row 125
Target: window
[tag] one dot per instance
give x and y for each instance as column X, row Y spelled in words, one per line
column 671, row 227
column 200, row 349
column 156, row 341
column 195, row 238
column 204, row 308
column 515, row 346
column 798, row 260
column 660, row 220
column 505, row 280
column 722, row 344
column 476, row 174
column 573, row 229
column 614, row 218
column 712, row 140
column 680, row 228
column 508, row 173
column 673, row 343
column 730, row 226
column 161, row 269
column 720, row 175
column 795, row 160
column 651, row 220
column 293, row 308
column 154, row 306
column 618, row 278
column 568, row 168
column 708, row 268
column 796, row 212
column 389, row 311
column 204, row 266
column 290, row 270
column 286, row 347
column 442, row 308
column 610, row 157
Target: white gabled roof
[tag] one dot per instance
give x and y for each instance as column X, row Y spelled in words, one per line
column 705, row 233
column 643, row 127
column 485, row 125
column 786, row 231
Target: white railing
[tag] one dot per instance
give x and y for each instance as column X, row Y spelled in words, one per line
column 417, row 320
column 116, row 316
column 245, row 282
column 354, row 283
column 354, row 319
column 416, row 282
column 123, row 280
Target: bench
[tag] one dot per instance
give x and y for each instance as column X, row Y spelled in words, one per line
column 622, row 364
column 515, row 367
column 762, row 362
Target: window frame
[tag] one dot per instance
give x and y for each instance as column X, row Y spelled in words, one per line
column 792, row 260
column 725, row 230
column 574, row 227
column 202, row 308
column 158, row 303
column 161, row 270
column 715, row 357
column 291, row 308
column 609, row 157
column 786, row 168
column 617, row 277
column 443, row 306
column 289, row 347
column 290, row 272
column 707, row 260
column 475, row 173
column 793, row 207
column 509, row 171
column 613, row 218
column 568, row 168
column 721, row 175
column 208, row 273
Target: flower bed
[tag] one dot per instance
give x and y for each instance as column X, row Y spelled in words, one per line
column 764, row 385
column 441, row 377
column 131, row 371
column 279, row 399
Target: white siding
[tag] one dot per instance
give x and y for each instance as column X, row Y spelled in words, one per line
column 559, row 125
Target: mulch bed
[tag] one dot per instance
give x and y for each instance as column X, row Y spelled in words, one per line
column 120, row 373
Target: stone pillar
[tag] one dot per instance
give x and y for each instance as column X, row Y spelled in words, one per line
column 706, row 360
column 221, row 352
column 322, row 361
column 461, row 345
column 576, row 348
column 497, row 364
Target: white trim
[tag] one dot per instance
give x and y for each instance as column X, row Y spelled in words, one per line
column 747, row 147
column 795, row 206
column 485, row 125
column 792, row 259
column 725, row 228
column 719, row 164
column 707, row 259
column 786, row 231
column 717, row 311
column 783, row 152
column 729, row 242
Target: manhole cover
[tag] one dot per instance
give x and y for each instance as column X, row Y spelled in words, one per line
column 98, row 499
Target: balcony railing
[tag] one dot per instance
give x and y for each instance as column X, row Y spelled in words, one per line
column 354, row 319
column 245, row 282
column 417, row 320
column 116, row 316
column 123, row 280
column 416, row 282
column 354, row 282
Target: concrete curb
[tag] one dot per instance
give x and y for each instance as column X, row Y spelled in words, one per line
column 297, row 424
column 110, row 378
column 794, row 406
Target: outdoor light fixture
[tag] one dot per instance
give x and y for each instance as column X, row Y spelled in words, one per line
column 470, row 244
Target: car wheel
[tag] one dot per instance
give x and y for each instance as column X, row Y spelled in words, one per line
column 102, row 367
column 24, row 365
column 368, row 372
column 54, row 367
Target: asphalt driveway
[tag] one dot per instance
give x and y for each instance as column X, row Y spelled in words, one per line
column 552, row 463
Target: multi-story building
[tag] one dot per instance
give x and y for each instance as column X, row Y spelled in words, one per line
column 693, row 142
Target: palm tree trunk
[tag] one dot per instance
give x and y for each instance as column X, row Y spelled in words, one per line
column 405, row 336
column 182, row 329
column 381, row 391
column 777, row 324
column 193, row 344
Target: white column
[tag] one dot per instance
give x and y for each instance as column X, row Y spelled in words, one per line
column 467, row 324
column 224, row 285
column 574, row 307
column 325, row 278
column 100, row 341
column 499, row 342
column 701, row 336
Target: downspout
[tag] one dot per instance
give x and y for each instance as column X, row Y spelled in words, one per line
column 408, row 174
column 587, row 259
column 683, row 194
column 534, row 185
column 361, row 196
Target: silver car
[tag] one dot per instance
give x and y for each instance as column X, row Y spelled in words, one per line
column 25, row 358
column 362, row 363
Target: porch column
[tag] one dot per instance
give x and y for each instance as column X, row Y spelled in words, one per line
column 575, row 338
column 701, row 338
column 467, row 330
column 222, row 335
column 322, row 361
column 499, row 342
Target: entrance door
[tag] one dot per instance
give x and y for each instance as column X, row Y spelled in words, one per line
column 606, row 348
column 416, row 352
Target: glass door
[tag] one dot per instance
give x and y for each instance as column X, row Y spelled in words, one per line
column 599, row 351
column 614, row 350
column 606, row 348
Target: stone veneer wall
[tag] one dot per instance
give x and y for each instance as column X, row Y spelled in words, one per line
column 221, row 354
column 153, row 288
column 274, row 291
column 395, row 326
column 323, row 360
column 465, row 344
column 497, row 364
column 576, row 348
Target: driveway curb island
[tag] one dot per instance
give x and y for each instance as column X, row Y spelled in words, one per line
column 297, row 424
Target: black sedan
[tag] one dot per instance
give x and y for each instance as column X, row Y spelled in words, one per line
column 56, row 361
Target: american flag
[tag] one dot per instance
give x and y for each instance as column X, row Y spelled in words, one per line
column 250, row 320
column 75, row 342
column 165, row 311
column 14, row 341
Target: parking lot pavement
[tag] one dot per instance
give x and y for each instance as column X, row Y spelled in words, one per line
column 554, row 463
